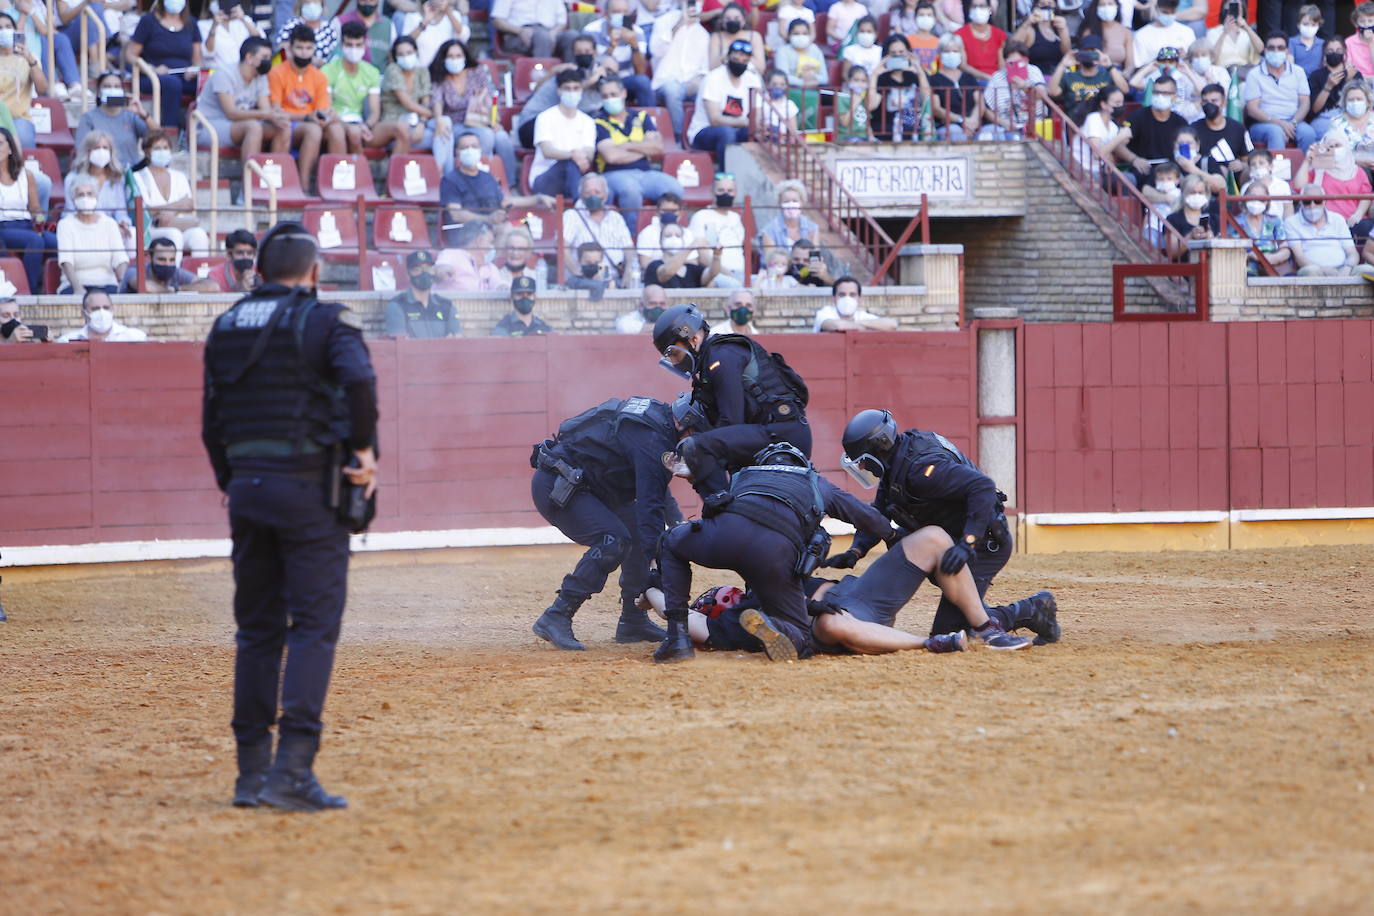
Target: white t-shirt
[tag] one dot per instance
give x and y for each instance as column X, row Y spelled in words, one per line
column 429, row 41
column 776, row 36
column 724, row 231
column 725, row 327
column 118, row 334
column 228, row 39
column 630, row 323
column 567, row 134
column 781, row 112
column 178, row 186
column 830, row 313
column 647, row 245
column 1149, row 39
column 868, row 58
column 94, row 251
column 716, row 87
column 1095, row 127
column 678, row 58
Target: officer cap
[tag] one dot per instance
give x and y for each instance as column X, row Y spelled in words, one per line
column 676, row 324
column 522, row 285
column 421, row 258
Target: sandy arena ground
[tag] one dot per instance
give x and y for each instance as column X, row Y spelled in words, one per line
column 1200, row 742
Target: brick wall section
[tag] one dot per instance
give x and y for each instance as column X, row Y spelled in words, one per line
column 1237, row 297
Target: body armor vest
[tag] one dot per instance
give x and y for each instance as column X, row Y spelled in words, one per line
column 772, row 391
column 784, row 498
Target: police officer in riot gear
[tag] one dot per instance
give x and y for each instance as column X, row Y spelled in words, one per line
column 923, row 479
column 750, row 396
column 290, row 398
column 603, row 482
column 767, row 528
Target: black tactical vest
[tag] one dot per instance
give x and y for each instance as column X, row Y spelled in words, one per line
column 772, row 391
column 917, row 447
column 590, row 440
column 784, row 498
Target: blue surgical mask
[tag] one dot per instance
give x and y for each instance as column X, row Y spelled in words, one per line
column 613, row 106
column 617, row 20
column 1275, row 58
column 311, row 12
column 570, row 99
column 1165, row 19
column 470, row 156
column 160, row 157
column 174, row 6
column 454, row 65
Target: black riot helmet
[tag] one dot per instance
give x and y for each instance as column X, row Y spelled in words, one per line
column 781, row 453
column 688, row 414
column 868, row 441
column 673, row 332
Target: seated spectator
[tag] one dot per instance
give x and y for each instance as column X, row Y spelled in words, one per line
column 847, row 312
column 1235, row 43
column 1356, row 120
column 674, row 270
column 236, row 274
column 468, row 193
column 23, row 78
column 223, row 34
column 1100, row 21
column 853, row 120
column 809, row 267
column 652, row 302
column 167, row 39
column 1320, row 240
column 1101, row 131
column 592, row 272
column 1307, row 46
column 381, row 32
column 590, row 67
column 1008, row 96
column 20, row 213
column 1164, row 31
column 801, row 59
column 916, row 18
column 720, row 227
column 117, row 115
column 95, row 160
column 669, row 212
column 1265, row 230
column 900, row 88
column 721, row 117
column 31, row 21
column 355, row 91
column 790, row 225
column 1188, row 155
column 310, row 14
column 564, row 142
column 1330, row 163
column 407, row 96
column 982, row 43
column 66, row 17
column 840, row 19
column 731, row 26
column 521, row 321
column 1045, row 35
column 90, row 247
column 163, row 275
column 617, row 35
column 462, row 94
column 627, row 144
column 1327, row 84
column 1152, row 132
column 780, row 112
column 419, row 312
column 1194, row 220
column 98, row 311
column 591, row 221
column 1080, row 75
column 1260, row 167
column 680, row 50
column 464, row 266
column 1164, row 193
column 434, row 25
column 1276, row 98
column 167, row 197
column 1222, row 142
column 956, row 101
column 534, row 28
column 238, row 104
column 12, row 327
column 739, row 315
column 1359, row 50
column 864, row 52
column 300, row 91
column 774, row 275
column 519, row 260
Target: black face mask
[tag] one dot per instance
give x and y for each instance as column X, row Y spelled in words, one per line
column 667, row 219
column 163, row 273
column 1087, row 58
column 741, row 314
column 265, row 67
column 652, row 313
column 725, row 200
column 1210, row 110
column 524, row 305
column 583, row 61
column 516, row 266
column 1334, row 59
column 422, row 281
column 367, row 9
column 8, row 327
column 737, row 68
column 732, row 26
column 589, row 270
column 242, row 265
column 1117, row 109
column 302, row 62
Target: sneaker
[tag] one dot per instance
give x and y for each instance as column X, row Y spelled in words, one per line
column 776, row 646
column 948, row 642
column 992, row 636
column 1044, row 619
column 59, row 91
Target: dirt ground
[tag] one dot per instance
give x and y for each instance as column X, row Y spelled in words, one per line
column 1199, row 742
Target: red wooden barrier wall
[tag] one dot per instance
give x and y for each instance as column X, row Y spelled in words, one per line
column 103, row 443
column 1182, row 416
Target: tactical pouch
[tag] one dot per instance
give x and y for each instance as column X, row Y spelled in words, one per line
column 346, row 499
column 813, row 552
column 568, row 482
column 715, row 504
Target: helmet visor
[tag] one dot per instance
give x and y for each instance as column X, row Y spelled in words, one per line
column 865, row 469
column 679, row 360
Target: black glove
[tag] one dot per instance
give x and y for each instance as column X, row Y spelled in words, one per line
column 956, row 558
column 845, row 560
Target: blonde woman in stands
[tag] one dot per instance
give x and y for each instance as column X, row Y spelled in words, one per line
column 96, row 160
column 166, row 194
column 1356, row 121
column 790, row 225
column 90, row 248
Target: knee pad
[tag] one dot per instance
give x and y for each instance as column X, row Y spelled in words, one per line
column 610, row 552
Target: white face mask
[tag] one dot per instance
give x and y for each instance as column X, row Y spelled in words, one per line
column 1166, row 187
column 925, row 23
column 470, row 156
column 1107, row 13
column 1260, row 172
column 354, row 55
column 100, row 321
column 160, row 157
column 950, row 60
column 800, row 42
column 1307, row 31
column 85, row 203
column 100, row 157
column 311, row 12
column 1255, row 207
column 1356, row 107
column 407, row 61
column 672, row 243
column 1162, row 102
column 777, row 269
column 174, row 6
column 791, row 209
column 1202, row 64
column 1195, row 201
column 866, row 39
column 6, row 38
column 846, row 305
column 980, row 14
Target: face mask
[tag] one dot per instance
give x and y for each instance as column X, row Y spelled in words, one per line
column 6, row 38
column 264, row 67
column 100, row 321
column 516, row 266
column 583, row 61
column 668, row 219
column 673, row 243
column 725, row 201
column 1166, row 187
column 113, row 97
column 1106, row 13
column 866, row 39
column 353, row 55
column 160, row 157
column 242, row 265
column 1044, row 15
column 733, row 25
column 1165, row 19
column 1334, row 59
column 777, row 270
column 741, row 314
column 367, row 9
column 100, row 157
column 737, row 67
column 303, row 62
column 613, row 106
column 1087, row 58
column 950, row 60
column 590, row 270
column 311, row 12
column 800, row 42
column 1356, row 108
column 652, row 313
column 1312, row 214
column 776, row 92
column 980, row 14
column 174, row 6
column 570, row 99
column 422, row 281
column 593, row 202
column 858, row 88
column 1202, row 64
column 846, row 305
column 1255, row 207
column 1275, row 58
column 925, row 23
column 163, row 273
column 85, row 203
column 1195, row 201
column 1307, row 31
column 1210, row 110
column 1117, row 109
column 1162, row 103
column 617, row 20
column 470, row 156
column 791, row 210
column 896, row 63
column 524, row 305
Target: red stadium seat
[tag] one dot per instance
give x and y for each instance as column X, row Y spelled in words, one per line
column 12, row 272
column 696, row 172
column 290, row 193
column 340, row 243
column 52, row 277
column 398, row 228
column 543, row 225
column 497, row 168
column 405, row 174
column 60, row 138
column 202, row 267
column 378, row 268
column 646, row 216
column 835, row 72
column 344, row 177
column 529, row 72
column 664, row 122
column 47, row 162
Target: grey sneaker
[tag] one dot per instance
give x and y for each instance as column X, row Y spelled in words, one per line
column 776, row 646
column 992, row 636
column 948, row 642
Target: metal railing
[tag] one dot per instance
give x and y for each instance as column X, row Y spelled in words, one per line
column 86, row 15
column 51, row 27
column 1231, row 222
column 199, row 119
column 250, row 166
column 155, row 113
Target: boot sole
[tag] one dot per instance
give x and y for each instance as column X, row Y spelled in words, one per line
column 289, row 803
column 776, row 646
column 548, row 637
column 1050, row 614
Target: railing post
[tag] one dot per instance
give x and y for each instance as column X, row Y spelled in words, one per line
column 141, row 241
column 51, row 26
column 558, row 234
column 362, row 237
column 1223, row 213
column 748, row 237
column 925, row 219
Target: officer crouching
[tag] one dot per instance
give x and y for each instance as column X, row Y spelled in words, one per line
column 290, row 397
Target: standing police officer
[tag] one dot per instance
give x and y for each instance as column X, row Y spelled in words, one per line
column 289, row 390
column 923, row 479
column 602, row 482
column 750, row 396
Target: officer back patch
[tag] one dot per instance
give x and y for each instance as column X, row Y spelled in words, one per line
column 636, row 405
column 351, row 319
column 254, row 313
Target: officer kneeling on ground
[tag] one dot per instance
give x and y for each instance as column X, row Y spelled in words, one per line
column 289, row 395
column 602, row 481
column 750, row 397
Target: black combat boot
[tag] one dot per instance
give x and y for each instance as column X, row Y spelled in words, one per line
column 634, row 624
column 555, row 624
column 677, row 643
column 254, row 762
column 1039, row 613
column 292, row 785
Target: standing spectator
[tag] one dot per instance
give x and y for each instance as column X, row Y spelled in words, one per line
column 98, row 311
column 1276, row 98
column 739, row 315
column 236, row 274
column 1165, row 31
column 1152, row 131
column 1115, row 40
column 853, row 120
column 1009, row 94
column 463, row 99
column 463, row 264
column 20, row 79
column 1235, row 43
column 1327, row 84
column 1357, row 121
column 1045, row 35
column 847, row 313
column 299, row 90
column 626, row 142
column 310, row 13
column 864, row 52
column 1195, row 220
column 168, row 40
column 20, row 213
column 955, row 94
column 617, row 35
column 721, row 117
column 669, row 213
column 406, row 96
column 381, row 32
column 983, row 42
column 167, row 197
column 95, row 160
column 123, row 119
column 917, row 28
column 732, row 27
column 355, row 95
column 1320, row 240
column 521, row 321
column 564, row 142
column 1307, row 46
column 1265, row 230
column 673, row 270
column 1360, row 48
column 591, row 221
column 90, row 247
column 900, row 87
column 1331, row 164
column 238, row 103
column 519, row 259
column 720, row 227
column 789, row 225
column 1222, row 142
column 537, row 28
column 679, row 48
column 223, row 34
column 801, row 59
column 418, row 312
column 468, row 193
column 1081, row 75
column 434, row 25
column 652, row 301
column 163, row 275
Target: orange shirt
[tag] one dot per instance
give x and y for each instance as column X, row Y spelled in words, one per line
column 298, row 93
